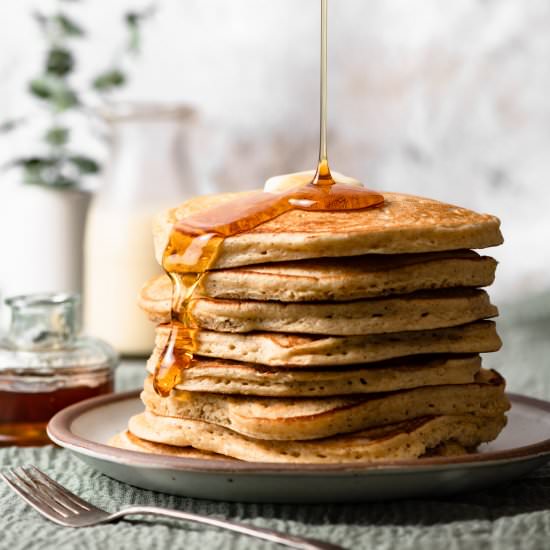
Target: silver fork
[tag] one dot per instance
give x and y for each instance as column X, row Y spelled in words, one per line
column 61, row 506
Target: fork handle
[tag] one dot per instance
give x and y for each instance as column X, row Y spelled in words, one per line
column 300, row 543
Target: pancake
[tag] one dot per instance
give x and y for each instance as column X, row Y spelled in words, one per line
column 447, row 449
column 403, row 224
column 406, row 440
column 278, row 349
column 423, row 311
column 232, row 377
column 313, row 418
column 340, row 279
column 130, row 442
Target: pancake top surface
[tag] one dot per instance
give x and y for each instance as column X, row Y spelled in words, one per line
column 404, row 223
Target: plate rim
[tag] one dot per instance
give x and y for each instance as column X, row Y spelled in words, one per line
column 59, row 431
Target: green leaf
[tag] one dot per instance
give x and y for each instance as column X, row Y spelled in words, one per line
column 65, row 99
column 85, row 165
column 40, row 87
column 55, row 91
column 68, row 26
column 109, row 80
column 132, row 18
column 44, row 171
column 59, row 62
column 35, row 169
column 35, row 162
column 33, row 175
column 41, row 19
column 9, row 125
column 57, row 136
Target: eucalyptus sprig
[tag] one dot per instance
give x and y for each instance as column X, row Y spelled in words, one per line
column 60, row 165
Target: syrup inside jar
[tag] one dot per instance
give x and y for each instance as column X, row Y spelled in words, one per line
column 45, row 365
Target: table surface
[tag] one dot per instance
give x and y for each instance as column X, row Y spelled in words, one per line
column 516, row 515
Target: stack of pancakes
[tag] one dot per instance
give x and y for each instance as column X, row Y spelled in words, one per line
column 329, row 337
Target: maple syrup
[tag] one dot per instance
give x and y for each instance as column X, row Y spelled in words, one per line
column 195, row 241
column 45, row 366
column 25, row 415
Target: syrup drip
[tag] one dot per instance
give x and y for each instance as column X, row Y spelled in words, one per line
column 195, row 241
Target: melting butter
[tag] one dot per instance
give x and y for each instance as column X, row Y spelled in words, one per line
column 278, row 184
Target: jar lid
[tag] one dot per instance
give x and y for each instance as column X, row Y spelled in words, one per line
column 44, row 338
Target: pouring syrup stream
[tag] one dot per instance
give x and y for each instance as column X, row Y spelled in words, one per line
column 323, row 175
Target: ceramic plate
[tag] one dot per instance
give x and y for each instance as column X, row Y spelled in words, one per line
column 85, row 427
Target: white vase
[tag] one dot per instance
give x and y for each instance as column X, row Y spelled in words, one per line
column 41, row 235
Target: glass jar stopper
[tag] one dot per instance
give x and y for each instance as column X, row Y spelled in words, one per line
column 41, row 321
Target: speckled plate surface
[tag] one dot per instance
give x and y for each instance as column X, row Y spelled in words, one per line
column 85, row 428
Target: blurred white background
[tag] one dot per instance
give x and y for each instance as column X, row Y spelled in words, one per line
column 444, row 99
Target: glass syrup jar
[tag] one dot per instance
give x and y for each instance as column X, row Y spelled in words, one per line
column 45, row 365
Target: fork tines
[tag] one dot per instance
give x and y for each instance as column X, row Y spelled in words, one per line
column 44, row 494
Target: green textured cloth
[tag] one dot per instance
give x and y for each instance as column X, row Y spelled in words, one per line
column 512, row 516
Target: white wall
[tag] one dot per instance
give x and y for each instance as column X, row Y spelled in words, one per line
column 447, row 99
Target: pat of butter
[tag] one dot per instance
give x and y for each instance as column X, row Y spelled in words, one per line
column 278, row 184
